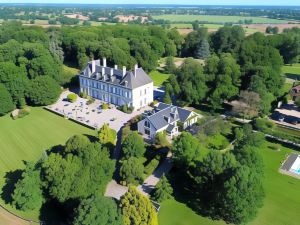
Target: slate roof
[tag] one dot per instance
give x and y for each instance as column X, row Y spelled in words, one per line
column 170, row 128
column 164, row 114
column 128, row 80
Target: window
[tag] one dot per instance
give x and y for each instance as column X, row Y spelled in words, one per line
column 147, row 124
column 147, row 131
column 141, row 92
column 145, row 91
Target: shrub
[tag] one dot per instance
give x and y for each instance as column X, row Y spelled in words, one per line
column 263, row 125
column 83, row 95
column 72, row 97
column 24, row 112
column 105, row 106
column 90, row 101
column 149, row 169
column 124, row 108
column 152, row 104
column 161, row 139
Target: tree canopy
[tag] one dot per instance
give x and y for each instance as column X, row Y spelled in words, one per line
column 98, row 211
column 82, row 169
column 137, row 209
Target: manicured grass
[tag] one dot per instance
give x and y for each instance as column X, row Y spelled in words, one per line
column 281, row 204
column 70, row 70
column 158, row 77
column 26, row 139
column 292, row 71
column 216, row 18
column 175, row 213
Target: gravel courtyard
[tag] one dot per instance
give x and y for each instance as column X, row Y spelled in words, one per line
column 92, row 115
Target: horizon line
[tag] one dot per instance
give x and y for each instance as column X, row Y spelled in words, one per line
column 140, row 4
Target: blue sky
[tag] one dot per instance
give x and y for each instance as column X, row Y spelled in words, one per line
column 196, row 2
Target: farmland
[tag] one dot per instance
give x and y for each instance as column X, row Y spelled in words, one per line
column 217, row 19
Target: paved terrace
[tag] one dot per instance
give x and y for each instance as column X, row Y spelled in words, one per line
column 92, row 115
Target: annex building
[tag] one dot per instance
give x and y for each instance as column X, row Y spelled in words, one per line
column 167, row 118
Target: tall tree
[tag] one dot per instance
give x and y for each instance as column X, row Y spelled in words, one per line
column 78, row 172
column 203, row 51
column 28, row 193
column 6, row 102
column 137, row 209
column 186, row 149
column 228, row 39
column 170, row 65
column 43, row 90
column 225, row 80
column 97, row 211
column 15, row 80
column 248, row 104
column 163, row 190
column 192, row 82
column 107, row 136
column 132, row 171
column 133, row 145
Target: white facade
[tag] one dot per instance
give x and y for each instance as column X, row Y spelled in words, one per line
column 142, row 96
column 115, row 86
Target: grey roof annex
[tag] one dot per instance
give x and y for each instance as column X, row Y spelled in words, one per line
column 166, row 114
column 129, row 80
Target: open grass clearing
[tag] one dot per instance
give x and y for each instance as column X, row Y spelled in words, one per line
column 292, row 71
column 27, row 138
column 217, row 19
column 158, row 77
column 281, row 204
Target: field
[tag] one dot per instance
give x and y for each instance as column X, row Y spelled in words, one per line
column 158, row 77
column 281, row 204
column 26, row 139
column 217, row 19
column 262, row 27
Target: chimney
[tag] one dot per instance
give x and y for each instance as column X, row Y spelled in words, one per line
column 116, row 67
column 98, row 76
column 93, row 66
column 111, row 71
column 103, row 71
column 124, row 70
column 104, row 62
column 135, row 69
column 88, row 72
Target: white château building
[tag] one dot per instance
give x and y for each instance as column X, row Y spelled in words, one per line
column 117, row 86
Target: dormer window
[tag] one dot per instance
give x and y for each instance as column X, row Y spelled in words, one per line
column 167, row 119
column 147, row 124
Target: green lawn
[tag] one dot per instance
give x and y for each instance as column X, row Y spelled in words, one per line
column 26, row 139
column 216, row 18
column 292, row 71
column 281, row 205
column 158, row 77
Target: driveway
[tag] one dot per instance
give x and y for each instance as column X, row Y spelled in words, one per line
column 149, row 184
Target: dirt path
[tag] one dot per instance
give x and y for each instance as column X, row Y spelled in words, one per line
column 7, row 218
